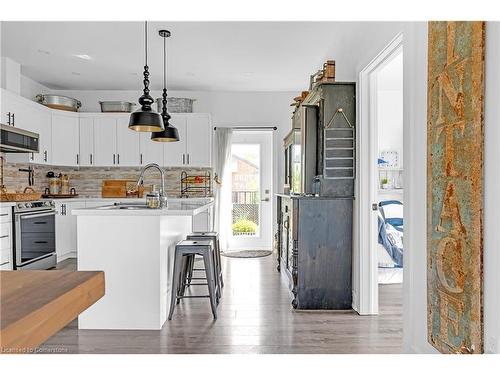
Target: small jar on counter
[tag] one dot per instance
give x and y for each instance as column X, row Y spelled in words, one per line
column 153, row 198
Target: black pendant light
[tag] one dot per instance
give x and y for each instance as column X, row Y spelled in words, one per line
column 170, row 133
column 146, row 119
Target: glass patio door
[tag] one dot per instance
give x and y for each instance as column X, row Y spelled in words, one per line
column 251, row 191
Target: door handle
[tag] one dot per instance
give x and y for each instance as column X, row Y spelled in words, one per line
column 265, row 199
column 374, row 207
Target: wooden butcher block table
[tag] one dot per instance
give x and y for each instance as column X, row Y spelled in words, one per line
column 36, row 304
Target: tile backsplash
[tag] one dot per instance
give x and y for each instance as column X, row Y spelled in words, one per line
column 88, row 180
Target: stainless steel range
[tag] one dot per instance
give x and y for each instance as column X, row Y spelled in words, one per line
column 34, row 235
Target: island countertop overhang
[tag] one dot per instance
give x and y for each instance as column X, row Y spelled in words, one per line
column 175, row 208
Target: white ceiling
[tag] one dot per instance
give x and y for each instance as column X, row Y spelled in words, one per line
column 213, row 56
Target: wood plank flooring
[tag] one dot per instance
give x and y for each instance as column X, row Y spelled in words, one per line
column 254, row 316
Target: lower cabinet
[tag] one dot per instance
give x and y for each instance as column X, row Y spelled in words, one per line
column 315, row 250
column 6, row 262
column 66, row 229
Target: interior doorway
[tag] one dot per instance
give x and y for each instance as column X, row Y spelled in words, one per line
column 251, row 191
column 380, row 204
column 390, row 184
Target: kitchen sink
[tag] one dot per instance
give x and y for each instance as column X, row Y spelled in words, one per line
column 124, row 207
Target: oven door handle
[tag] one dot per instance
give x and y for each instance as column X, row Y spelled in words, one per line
column 32, row 216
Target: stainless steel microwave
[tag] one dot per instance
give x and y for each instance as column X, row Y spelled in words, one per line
column 17, row 140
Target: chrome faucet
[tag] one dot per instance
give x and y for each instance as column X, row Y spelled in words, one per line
column 163, row 193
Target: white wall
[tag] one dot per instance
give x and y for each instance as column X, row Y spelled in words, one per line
column 390, row 121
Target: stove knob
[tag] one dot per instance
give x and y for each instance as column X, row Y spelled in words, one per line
column 28, row 205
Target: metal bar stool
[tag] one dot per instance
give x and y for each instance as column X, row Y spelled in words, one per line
column 185, row 250
column 214, row 237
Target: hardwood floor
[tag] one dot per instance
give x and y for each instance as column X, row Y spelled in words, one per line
column 254, row 316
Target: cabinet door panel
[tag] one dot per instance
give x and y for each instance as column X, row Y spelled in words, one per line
column 175, row 152
column 199, row 140
column 43, row 125
column 104, row 141
column 151, row 152
column 127, row 143
column 64, row 139
column 86, row 141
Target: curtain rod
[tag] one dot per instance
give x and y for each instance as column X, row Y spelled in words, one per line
column 252, row 128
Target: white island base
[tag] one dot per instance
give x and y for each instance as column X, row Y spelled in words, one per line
column 135, row 250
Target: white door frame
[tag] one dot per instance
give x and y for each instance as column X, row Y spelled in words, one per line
column 265, row 239
column 366, row 222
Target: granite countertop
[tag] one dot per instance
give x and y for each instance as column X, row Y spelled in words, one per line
column 174, row 208
column 83, row 198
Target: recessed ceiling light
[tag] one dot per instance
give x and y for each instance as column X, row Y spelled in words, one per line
column 44, row 52
column 83, row 57
column 76, row 73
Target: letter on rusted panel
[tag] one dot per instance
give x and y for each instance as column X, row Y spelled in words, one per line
column 454, row 186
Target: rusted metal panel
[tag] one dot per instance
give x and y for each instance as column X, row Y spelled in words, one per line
column 454, row 186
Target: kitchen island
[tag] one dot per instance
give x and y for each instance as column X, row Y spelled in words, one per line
column 134, row 246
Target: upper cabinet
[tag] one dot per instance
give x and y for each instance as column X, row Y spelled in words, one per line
column 195, row 145
column 114, row 144
column 127, row 143
column 151, row 152
column 104, row 139
column 26, row 114
column 65, row 136
column 198, row 140
column 86, row 139
column 175, row 152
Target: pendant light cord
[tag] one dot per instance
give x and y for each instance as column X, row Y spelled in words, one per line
column 146, row 41
column 165, row 62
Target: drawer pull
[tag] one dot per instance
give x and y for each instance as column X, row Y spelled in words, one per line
column 4, row 214
column 41, row 242
column 40, row 222
column 5, row 236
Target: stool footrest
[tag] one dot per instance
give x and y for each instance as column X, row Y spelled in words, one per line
column 179, row 297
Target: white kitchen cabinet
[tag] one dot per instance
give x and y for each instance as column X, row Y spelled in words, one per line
column 199, row 140
column 65, row 134
column 6, row 262
column 105, row 141
column 195, row 145
column 175, row 152
column 66, row 240
column 28, row 115
column 86, row 140
column 151, row 151
column 127, row 143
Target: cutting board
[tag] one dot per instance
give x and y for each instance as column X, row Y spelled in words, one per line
column 121, row 189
